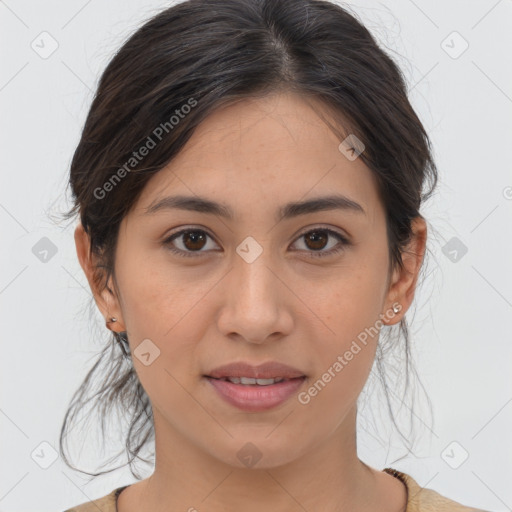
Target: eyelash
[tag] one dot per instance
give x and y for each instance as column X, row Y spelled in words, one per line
column 314, row 254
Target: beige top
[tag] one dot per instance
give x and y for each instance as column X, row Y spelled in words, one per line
column 419, row 499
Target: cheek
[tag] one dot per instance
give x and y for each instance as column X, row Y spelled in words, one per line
column 350, row 309
column 351, row 301
column 154, row 296
column 344, row 355
column 166, row 307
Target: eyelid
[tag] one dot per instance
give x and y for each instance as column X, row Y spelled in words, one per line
column 321, row 227
column 305, row 230
column 184, row 229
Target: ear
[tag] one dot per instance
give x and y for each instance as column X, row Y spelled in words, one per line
column 105, row 297
column 403, row 282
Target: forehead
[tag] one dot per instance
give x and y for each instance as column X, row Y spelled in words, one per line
column 271, row 149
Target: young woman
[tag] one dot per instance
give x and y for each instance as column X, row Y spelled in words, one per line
column 248, row 183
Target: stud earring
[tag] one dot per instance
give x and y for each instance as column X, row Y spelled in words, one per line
column 112, row 320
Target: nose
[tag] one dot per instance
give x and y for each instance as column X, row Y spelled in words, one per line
column 256, row 302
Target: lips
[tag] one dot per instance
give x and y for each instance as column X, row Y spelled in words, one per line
column 269, row 370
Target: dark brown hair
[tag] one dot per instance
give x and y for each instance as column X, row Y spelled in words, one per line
column 194, row 58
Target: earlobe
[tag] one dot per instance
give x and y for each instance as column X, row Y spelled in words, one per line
column 403, row 286
column 104, row 297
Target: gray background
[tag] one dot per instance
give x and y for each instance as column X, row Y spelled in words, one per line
column 461, row 327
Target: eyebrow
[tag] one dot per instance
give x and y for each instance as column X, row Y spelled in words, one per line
column 288, row 211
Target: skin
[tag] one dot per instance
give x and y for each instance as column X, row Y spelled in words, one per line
column 215, row 307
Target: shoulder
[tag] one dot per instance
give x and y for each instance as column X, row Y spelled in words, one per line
column 422, row 499
column 106, row 503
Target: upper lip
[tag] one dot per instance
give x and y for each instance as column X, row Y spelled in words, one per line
column 269, row 370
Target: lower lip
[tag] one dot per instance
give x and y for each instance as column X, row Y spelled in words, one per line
column 254, row 397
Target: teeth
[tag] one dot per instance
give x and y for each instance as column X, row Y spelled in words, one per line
column 249, row 381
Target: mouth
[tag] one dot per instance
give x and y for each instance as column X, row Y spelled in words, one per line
column 251, row 381
column 250, row 394
column 249, row 374
column 253, row 387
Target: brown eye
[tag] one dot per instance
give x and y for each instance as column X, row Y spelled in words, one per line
column 189, row 241
column 316, row 240
column 194, row 240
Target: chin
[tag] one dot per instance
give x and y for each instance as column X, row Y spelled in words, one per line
column 258, row 451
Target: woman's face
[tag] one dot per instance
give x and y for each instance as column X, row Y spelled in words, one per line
column 256, row 287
